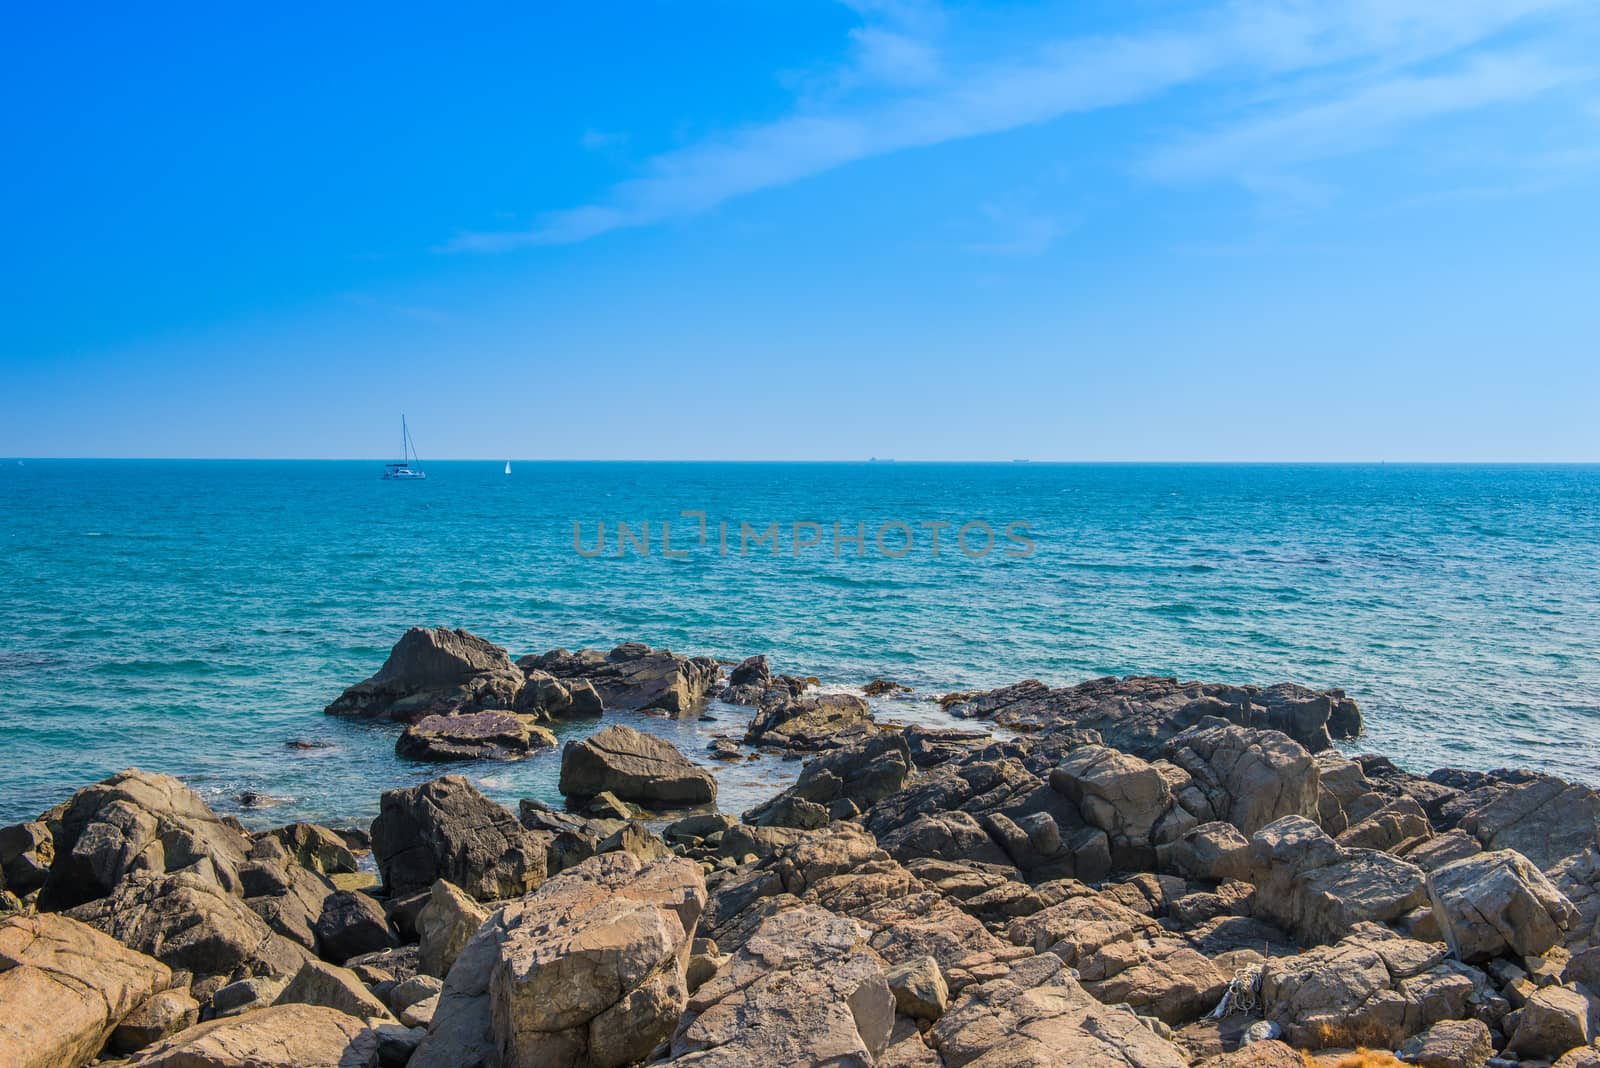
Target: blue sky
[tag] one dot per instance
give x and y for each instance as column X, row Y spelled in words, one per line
column 1259, row 230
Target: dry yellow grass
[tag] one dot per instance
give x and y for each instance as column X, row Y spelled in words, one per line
column 1361, row 1058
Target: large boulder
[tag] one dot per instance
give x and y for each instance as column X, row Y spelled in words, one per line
column 444, row 927
column 634, row 676
column 65, row 987
column 314, row 846
column 1495, row 903
column 281, row 1036
column 802, row 990
column 157, row 1017
column 1554, row 1020
column 1138, row 714
column 1545, row 819
column 486, row 735
column 635, row 767
column 587, row 971
column 189, row 923
column 446, row 829
column 1120, row 794
column 26, row 852
column 1309, row 884
column 1450, row 1044
column 548, row 697
column 352, row 923
column 1247, row 777
column 1035, row 1013
column 434, row 670
column 136, row 822
column 333, row 987
column 810, row 722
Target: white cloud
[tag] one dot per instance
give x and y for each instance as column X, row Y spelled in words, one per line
column 900, row 94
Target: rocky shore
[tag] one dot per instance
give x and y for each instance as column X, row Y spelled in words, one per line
column 1126, row 873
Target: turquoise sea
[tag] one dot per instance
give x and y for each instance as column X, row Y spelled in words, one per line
column 194, row 617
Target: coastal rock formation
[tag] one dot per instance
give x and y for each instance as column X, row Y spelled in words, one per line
column 136, row 823
column 157, row 1016
column 635, row 767
column 843, row 782
column 281, row 1036
column 434, row 671
column 634, row 676
column 587, row 971
column 313, row 847
column 446, row 829
column 809, row 723
column 444, row 927
column 26, row 852
column 1497, row 902
column 548, row 697
column 487, row 735
column 1310, row 885
column 1545, row 819
column 1138, row 714
column 65, row 987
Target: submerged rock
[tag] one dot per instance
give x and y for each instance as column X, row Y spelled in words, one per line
column 635, row 767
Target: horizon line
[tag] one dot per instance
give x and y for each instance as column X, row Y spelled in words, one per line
column 869, row 461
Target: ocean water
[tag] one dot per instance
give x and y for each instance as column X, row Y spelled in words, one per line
column 194, row 617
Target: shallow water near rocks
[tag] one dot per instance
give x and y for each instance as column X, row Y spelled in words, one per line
column 195, row 616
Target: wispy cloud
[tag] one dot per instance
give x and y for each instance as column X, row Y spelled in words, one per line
column 1016, row 229
column 899, row 92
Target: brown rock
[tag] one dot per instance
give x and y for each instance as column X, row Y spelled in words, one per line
column 282, row 1036
column 635, row 767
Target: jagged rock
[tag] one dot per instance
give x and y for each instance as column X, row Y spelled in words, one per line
column 1450, row 1044
column 188, row 922
column 444, row 927
column 850, row 779
column 1247, row 777
column 803, row 990
column 1401, row 820
column 26, row 853
column 1161, row 977
column 352, row 923
column 919, row 989
column 935, row 745
column 587, row 971
column 282, row 1036
column 1120, row 794
column 1370, row 989
column 333, row 987
column 315, row 847
column 1034, row 1013
column 546, row 696
column 397, row 1044
column 635, row 767
column 810, row 723
column 446, row 829
column 434, row 670
column 1215, row 851
column 288, row 897
column 417, row 989
column 1443, row 849
column 486, row 735
column 1308, row 883
column 751, row 671
column 157, row 1017
column 1546, row 820
column 1497, row 902
column 1555, row 1020
column 1138, row 714
column 65, row 987
column 634, row 675
column 247, row 995
column 1268, row 1053
column 136, row 822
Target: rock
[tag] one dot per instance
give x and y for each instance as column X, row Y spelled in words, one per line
column 919, row 989
column 635, row 767
column 1398, row 821
column 548, row 697
column 417, row 989
column 1497, row 902
column 634, row 676
column 282, row 1036
column 1161, row 977
column 288, row 897
column 26, row 853
column 352, row 923
column 1450, row 1044
column 1138, row 714
column 487, row 735
column 420, row 1014
column 246, row 995
column 1555, row 1019
column 136, row 822
column 189, row 923
column 935, row 745
column 1035, row 1014
column 65, row 987
column 1545, row 819
column 444, row 927
column 397, row 1044
column 1120, row 794
column 855, row 776
column 315, row 847
column 432, row 671
column 802, row 990
column 159, row 1016
column 446, row 829
column 1213, row 851
column 587, row 971
column 1248, row 778
column 330, row 986
column 810, row 723
column 751, row 671
column 884, row 688
column 1266, row 1053
column 1308, row 883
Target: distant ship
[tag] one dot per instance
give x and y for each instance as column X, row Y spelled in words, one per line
column 402, row 471
column 880, row 460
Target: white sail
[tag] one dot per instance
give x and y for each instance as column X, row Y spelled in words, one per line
column 508, row 467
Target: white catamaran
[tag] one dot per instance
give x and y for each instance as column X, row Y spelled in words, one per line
column 402, row 471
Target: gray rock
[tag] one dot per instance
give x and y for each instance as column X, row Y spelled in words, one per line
column 157, row 1017
column 26, row 853
column 919, row 989
column 811, row 722
column 1450, row 1044
column 1497, row 902
column 444, row 927
column 1555, row 1020
column 1311, row 885
column 333, row 987
column 446, row 829
column 635, row 767
column 433, row 671
column 634, row 676
column 485, row 735
column 352, row 923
